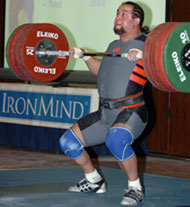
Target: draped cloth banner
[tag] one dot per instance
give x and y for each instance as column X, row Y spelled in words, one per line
column 45, row 106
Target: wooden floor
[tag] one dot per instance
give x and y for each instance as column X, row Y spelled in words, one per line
column 14, row 158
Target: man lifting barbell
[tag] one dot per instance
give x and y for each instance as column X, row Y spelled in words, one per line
column 122, row 116
column 40, row 52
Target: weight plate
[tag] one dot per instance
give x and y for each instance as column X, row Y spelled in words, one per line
column 173, row 57
column 158, row 53
column 17, row 51
column 148, row 57
column 150, row 65
column 49, row 68
column 10, row 54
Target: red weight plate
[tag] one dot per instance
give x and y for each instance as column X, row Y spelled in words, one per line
column 151, row 59
column 17, row 49
column 10, row 54
column 148, row 53
column 156, row 69
column 159, row 53
column 147, row 59
column 38, row 34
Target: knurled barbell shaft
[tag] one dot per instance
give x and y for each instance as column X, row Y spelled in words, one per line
column 81, row 54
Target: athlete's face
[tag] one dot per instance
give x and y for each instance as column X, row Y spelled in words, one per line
column 124, row 21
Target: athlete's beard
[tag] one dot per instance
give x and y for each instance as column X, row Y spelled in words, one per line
column 120, row 31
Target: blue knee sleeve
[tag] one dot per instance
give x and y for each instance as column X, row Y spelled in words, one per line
column 71, row 145
column 118, row 141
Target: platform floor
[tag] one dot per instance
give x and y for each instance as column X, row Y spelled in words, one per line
column 31, row 178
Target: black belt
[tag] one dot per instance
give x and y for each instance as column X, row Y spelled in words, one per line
column 127, row 102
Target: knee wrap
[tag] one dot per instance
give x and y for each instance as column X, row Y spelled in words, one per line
column 119, row 141
column 71, row 145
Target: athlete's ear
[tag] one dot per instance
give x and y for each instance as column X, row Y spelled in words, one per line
column 137, row 21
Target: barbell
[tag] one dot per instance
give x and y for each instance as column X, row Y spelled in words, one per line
column 40, row 52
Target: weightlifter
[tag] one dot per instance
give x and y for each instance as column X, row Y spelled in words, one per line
column 122, row 116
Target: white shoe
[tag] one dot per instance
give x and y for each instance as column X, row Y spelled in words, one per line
column 132, row 197
column 86, row 186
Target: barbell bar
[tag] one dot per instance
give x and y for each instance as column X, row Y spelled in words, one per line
column 40, row 52
column 81, row 54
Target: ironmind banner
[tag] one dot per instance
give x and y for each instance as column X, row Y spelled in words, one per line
column 45, row 106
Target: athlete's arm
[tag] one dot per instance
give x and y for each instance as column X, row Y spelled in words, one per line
column 92, row 63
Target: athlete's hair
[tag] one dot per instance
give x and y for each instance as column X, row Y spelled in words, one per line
column 139, row 13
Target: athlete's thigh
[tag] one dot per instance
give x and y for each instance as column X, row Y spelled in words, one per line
column 94, row 126
column 136, row 121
